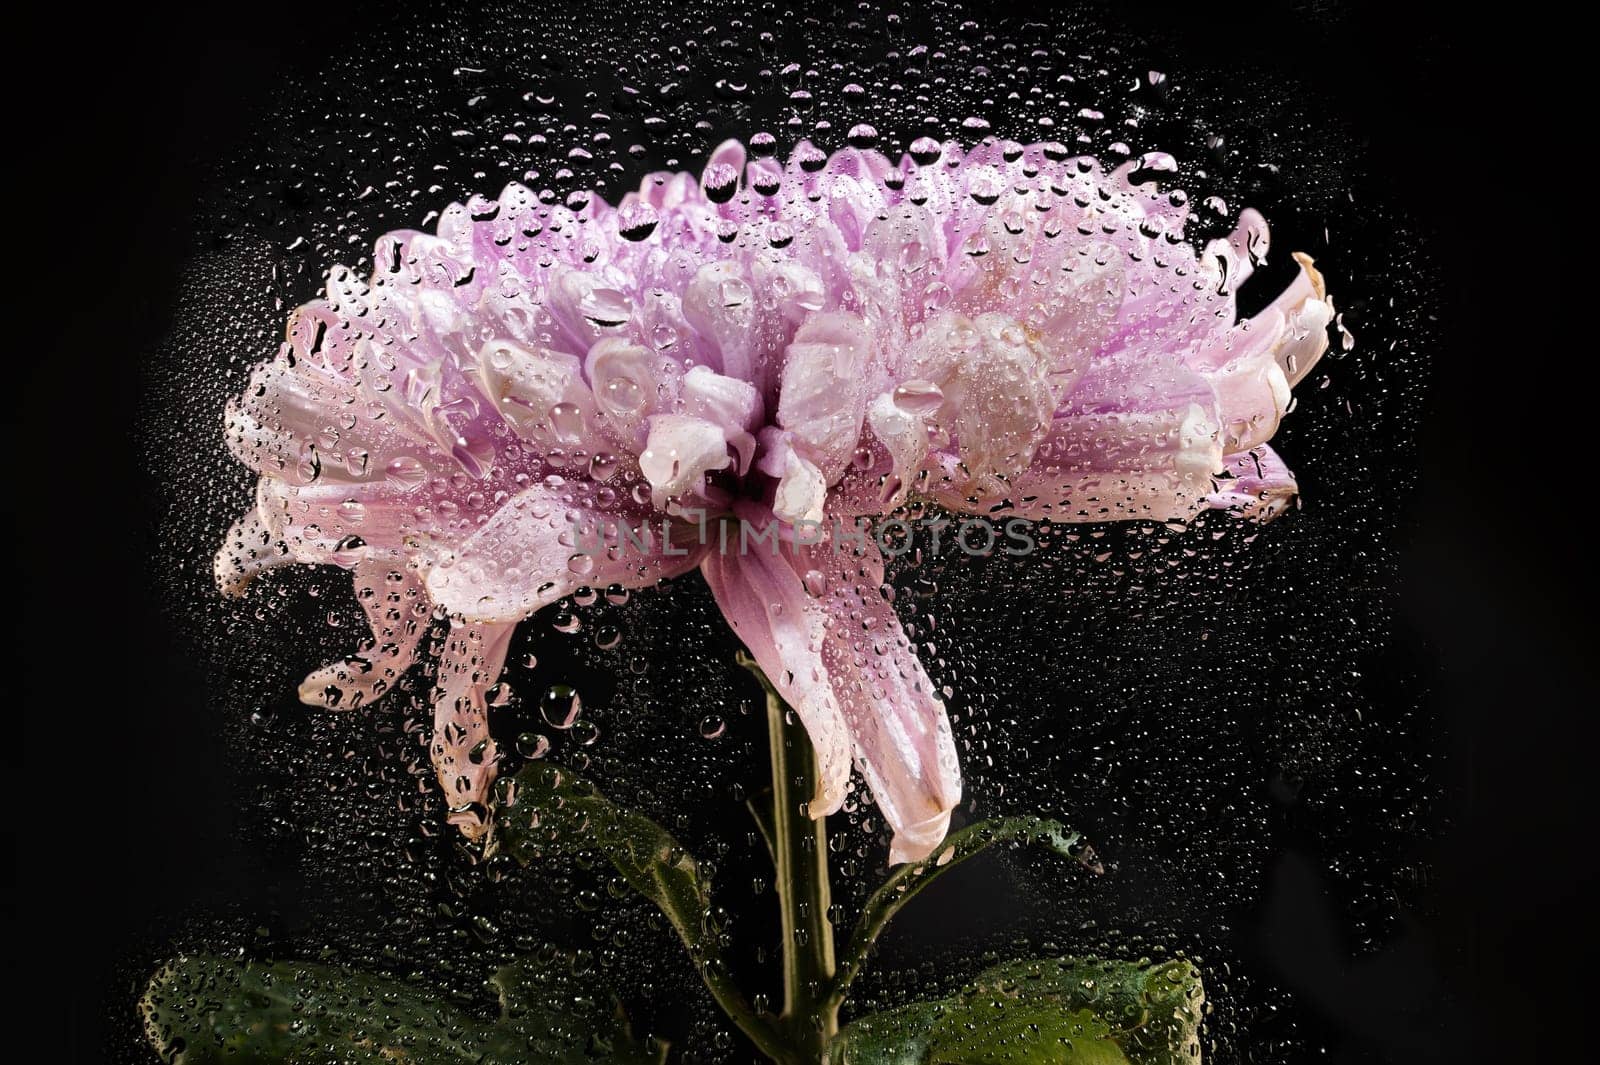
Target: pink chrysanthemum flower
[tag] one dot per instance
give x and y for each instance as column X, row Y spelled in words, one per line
column 1010, row 332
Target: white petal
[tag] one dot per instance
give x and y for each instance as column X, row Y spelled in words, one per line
column 680, row 451
column 802, row 491
column 624, row 381
column 540, row 393
column 905, row 436
column 824, row 391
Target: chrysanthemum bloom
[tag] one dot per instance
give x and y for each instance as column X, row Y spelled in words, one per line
column 1010, row 332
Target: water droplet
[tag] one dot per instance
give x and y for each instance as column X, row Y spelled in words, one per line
column 920, row 398
column 561, row 706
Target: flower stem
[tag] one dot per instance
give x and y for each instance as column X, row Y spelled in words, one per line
column 800, row 852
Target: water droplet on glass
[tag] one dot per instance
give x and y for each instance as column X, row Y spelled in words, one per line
column 560, row 706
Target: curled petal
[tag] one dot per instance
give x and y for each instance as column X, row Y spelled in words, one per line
column 464, row 756
column 726, row 401
column 1307, row 310
column 249, row 549
column 624, row 380
column 587, row 308
column 1256, row 363
column 824, row 391
column 397, row 610
column 1254, row 484
column 802, row 492
column 905, row 437
column 679, row 453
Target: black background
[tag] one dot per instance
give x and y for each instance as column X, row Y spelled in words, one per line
column 1492, row 583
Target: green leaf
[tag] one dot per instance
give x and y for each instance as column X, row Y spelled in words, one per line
column 205, row 1010
column 908, row 880
column 545, row 810
column 1062, row 1011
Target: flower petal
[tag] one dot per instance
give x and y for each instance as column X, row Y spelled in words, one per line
column 544, row 544
column 1254, row 365
column 1113, row 466
column 624, row 378
column 397, row 609
column 999, row 390
column 678, row 454
column 898, row 724
column 824, row 389
column 721, row 306
column 305, row 425
column 768, row 608
column 540, row 393
column 464, row 756
column 726, row 401
column 249, row 549
column 801, row 493
column 816, row 621
column 1255, row 484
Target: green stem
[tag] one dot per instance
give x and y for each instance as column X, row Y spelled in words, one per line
column 800, row 852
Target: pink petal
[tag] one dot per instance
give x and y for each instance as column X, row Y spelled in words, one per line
column 824, row 390
column 544, row 544
column 304, row 425
column 1115, row 466
column 721, row 306
column 249, row 549
column 464, row 757
column 769, row 609
column 816, row 620
column 397, row 610
column 998, row 390
column 540, row 393
column 1255, row 484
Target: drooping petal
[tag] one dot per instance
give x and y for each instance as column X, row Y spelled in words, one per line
column 901, row 733
column 464, row 756
column 904, row 436
column 816, row 621
column 249, row 549
column 397, row 610
column 770, row 610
